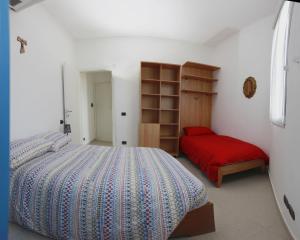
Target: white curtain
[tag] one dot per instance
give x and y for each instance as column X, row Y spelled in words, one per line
column 279, row 65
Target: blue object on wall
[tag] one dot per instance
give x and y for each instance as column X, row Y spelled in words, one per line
column 4, row 117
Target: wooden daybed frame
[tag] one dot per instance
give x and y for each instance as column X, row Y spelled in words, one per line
column 197, row 222
column 239, row 167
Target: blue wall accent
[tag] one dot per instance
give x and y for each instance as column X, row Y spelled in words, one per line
column 4, row 117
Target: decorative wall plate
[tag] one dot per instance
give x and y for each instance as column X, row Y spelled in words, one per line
column 250, row 87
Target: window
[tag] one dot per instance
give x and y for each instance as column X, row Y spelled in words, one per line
column 279, row 65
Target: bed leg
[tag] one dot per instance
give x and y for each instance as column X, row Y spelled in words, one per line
column 220, row 178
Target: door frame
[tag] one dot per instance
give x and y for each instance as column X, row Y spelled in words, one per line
column 4, row 119
column 114, row 139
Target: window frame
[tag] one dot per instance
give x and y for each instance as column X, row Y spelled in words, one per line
column 281, row 122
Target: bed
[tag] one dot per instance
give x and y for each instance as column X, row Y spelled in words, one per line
column 92, row 192
column 218, row 155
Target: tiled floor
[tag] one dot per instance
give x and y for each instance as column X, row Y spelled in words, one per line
column 245, row 209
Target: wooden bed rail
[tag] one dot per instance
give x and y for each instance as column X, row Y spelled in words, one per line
column 239, row 167
column 197, row 222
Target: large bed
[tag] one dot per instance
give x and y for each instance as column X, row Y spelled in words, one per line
column 218, row 155
column 92, row 192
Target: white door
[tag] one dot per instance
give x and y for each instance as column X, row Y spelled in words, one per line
column 72, row 100
column 104, row 111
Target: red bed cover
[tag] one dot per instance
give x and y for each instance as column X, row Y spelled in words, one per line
column 210, row 152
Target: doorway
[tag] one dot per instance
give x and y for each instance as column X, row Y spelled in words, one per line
column 96, row 108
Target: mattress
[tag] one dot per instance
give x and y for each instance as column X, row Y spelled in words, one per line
column 212, row 151
column 92, row 192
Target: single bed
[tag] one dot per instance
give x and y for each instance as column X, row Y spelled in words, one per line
column 218, row 155
column 92, row 192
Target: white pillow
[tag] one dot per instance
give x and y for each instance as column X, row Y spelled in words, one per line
column 59, row 140
column 24, row 150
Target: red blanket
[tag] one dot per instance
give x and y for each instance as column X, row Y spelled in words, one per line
column 210, row 152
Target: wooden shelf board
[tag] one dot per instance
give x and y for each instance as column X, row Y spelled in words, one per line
column 149, row 80
column 168, row 138
column 175, row 96
column 169, row 124
column 170, row 82
column 151, row 94
column 151, row 109
column 198, row 92
column 201, row 66
column 157, row 81
column 166, row 123
column 195, row 77
column 173, row 110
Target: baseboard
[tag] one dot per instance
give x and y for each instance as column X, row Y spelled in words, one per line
column 90, row 142
column 280, row 209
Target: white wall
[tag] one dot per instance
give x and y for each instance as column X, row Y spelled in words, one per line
column 285, row 150
column 122, row 56
column 36, row 98
column 247, row 53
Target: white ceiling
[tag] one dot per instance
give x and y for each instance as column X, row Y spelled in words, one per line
column 196, row 21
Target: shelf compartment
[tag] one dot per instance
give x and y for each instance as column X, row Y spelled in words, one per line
column 199, row 92
column 167, row 132
column 199, row 78
column 169, row 124
column 150, row 88
column 149, row 80
column 198, row 69
column 170, row 146
column 150, row 116
column 170, row 82
column 150, row 101
column 196, row 85
column 169, row 103
column 200, row 66
column 168, row 88
column 150, row 70
column 170, row 72
column 169, row 117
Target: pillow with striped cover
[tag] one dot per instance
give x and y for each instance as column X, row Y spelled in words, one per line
column 59, row 140
column 22, row 151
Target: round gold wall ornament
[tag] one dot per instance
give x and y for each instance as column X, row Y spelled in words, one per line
column 249, row 87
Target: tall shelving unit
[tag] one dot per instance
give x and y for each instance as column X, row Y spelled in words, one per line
column 197, row 84
column 160, row 106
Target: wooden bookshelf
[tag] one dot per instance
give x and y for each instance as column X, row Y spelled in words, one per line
column 174, row 97
column 160, row 106
column 197, row 91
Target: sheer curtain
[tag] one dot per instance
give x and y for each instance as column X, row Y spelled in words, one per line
column 279, row 65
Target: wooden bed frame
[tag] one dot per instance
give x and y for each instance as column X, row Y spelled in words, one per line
column 239, row 167
column 197, row 222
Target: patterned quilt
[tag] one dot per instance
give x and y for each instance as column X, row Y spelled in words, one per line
column 92, row 192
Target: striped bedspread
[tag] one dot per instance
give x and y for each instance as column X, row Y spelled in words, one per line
column 92, row 192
